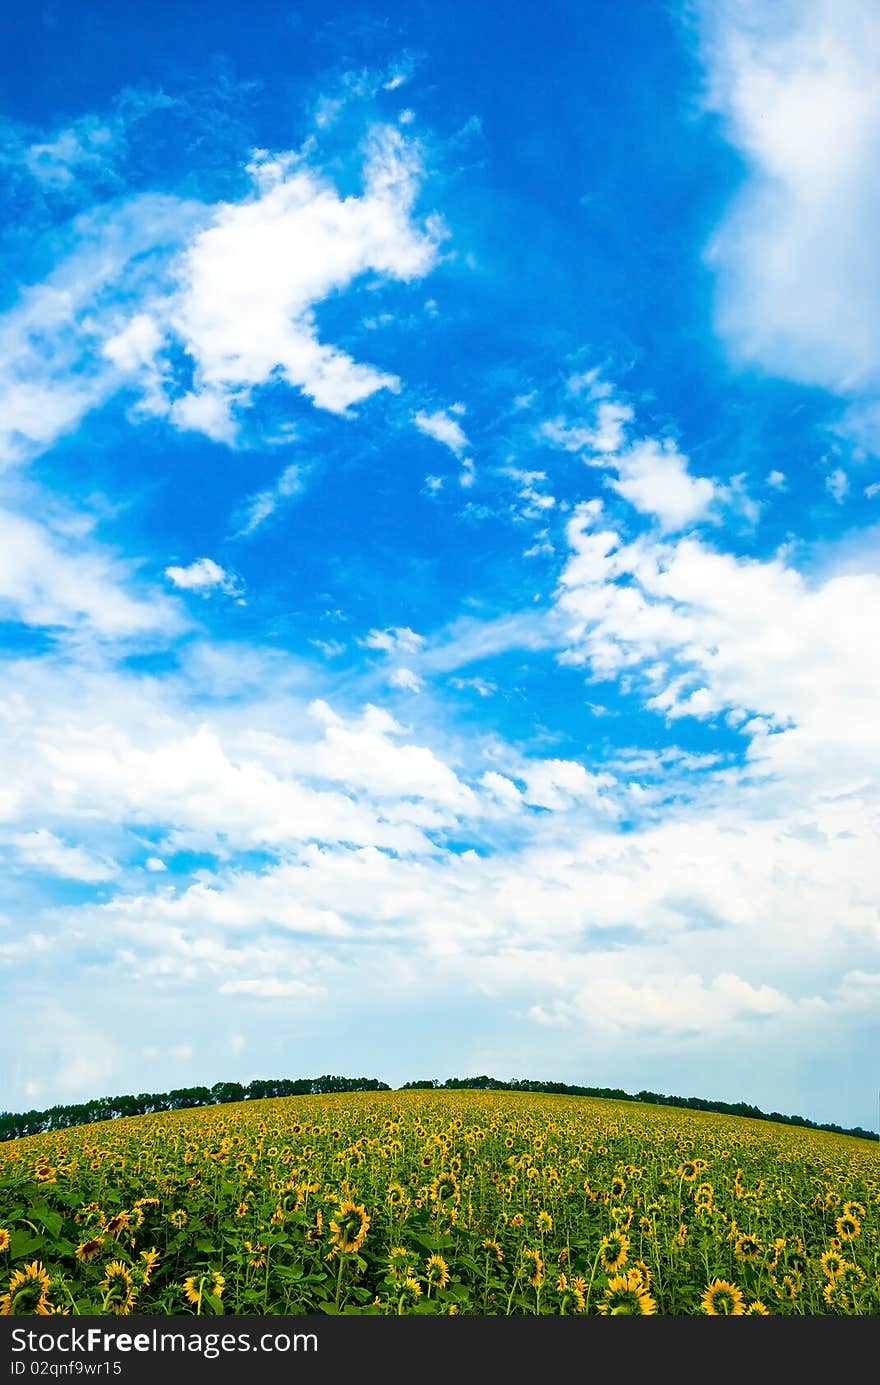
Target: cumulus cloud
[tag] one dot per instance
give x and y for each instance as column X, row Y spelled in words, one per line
column 797, row 270
column 250, row 281
column 652, row 475
column 203, row 576
column 707, row 633
column 235, row 286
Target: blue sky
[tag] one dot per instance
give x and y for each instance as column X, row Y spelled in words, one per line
column 438, row 546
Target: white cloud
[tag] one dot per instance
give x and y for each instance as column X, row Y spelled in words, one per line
column 406, row 680
column 203, row 576
column 265, row 503
column 444, row 428
column 798, row 275
column 53, row 364
column 49, row 577
column 249, row 282
column 776, row 480
column 44, row 851
column 837, row 484
column 707, row 632
column 654, row 478
column 271, row 988
column 397, row 639
column 652, row 475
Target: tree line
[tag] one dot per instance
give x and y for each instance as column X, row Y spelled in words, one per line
column 15, row 1125
column 690, row 1103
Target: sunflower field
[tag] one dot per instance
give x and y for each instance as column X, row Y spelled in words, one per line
column 418, row 1202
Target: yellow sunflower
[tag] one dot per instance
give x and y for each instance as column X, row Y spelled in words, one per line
column 626, row 1293
column 119, row 1289
column 349, row 1227
column 722, row 1300
column 28, row 1292
column 437, row 1272
column 613, row 1251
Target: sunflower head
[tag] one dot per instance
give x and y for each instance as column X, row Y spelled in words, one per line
column 445, row 1188
column 400, row 1262
column 437, row 1272
column 87, row 1250
column 534, row 1266
column 28, row 1291
column 758, row 1309
column 349, row 1226
column 722, row 1300
column 848, row 1226
column 832, row 1263
column 747, row 1247
column 545, row 1222
column 626, row 1293
column 613, row 1251
column 5, row 1238
column 118, row 1286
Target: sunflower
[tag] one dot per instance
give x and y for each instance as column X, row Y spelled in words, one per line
column 722, row 1300
column 118, row 1223
column 790, row 1287
column 395, row 1195
column 191, row 1291
column 445, row 1188
column 437, row 1272
column 349, row 1227
column 533, row 1259
column 848, row 1226
column 613, row 1252
column 399, row 1265
column 747, row 1247
column 410, row 1289
column 853, row 1209
column 494, row 1248
column 626, row 1293
column 118, row 1286
column 150, row 1259
column 618, row 1186
column 688, row 1170
column 758, row 1309
column 4, row 1238
column 545, row 1221
column 28, row 1292
column 87, row 1250
column 832, row 1263
column 178, row 1218
column 703, row 1195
